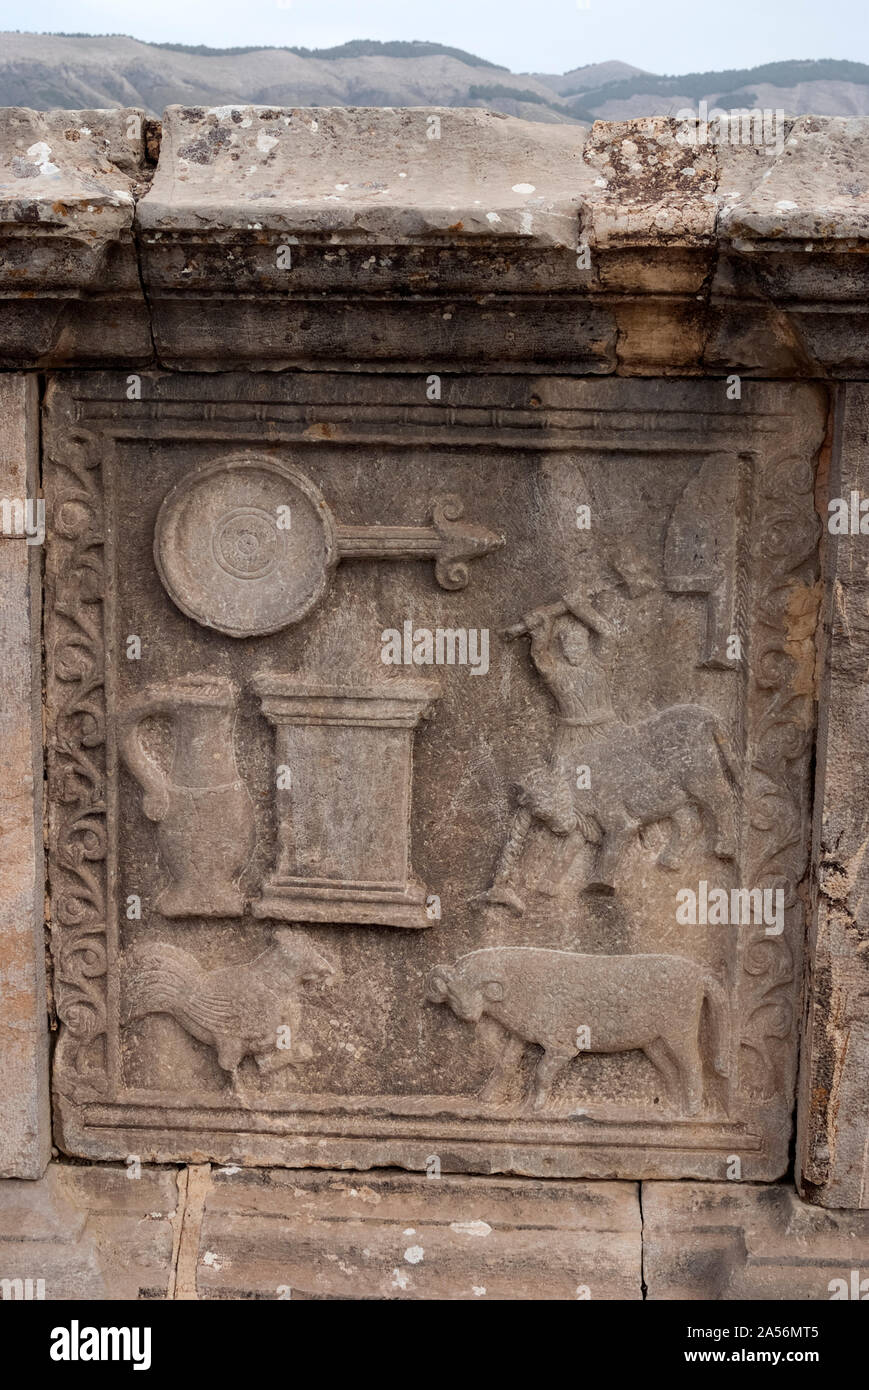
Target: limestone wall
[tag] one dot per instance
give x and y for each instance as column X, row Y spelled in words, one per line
column 445, row 336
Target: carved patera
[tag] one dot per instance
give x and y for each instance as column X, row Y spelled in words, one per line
column 698, row 761
column 245, row 545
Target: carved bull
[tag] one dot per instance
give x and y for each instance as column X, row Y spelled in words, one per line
column 648, row 1002
column 658, row 769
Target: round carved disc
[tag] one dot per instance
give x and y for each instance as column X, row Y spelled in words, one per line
column 244, row 545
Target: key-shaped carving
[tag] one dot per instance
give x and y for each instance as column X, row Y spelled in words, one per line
column 449, row 541
column 246, row 545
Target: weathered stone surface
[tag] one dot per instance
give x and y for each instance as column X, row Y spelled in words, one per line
column 706, row 1241
column 24, row 1118
column 834, row 1108
column 274, row 1234
column 232, row 984
column 797, row 240
column 642, row 245
column 654, row 189
column 71, row 173
column 89, row 1234
column 316, row 213
column 311, row 911
column 373, row 175
column 817, row 191
column 69, row 279
column 95, row 1233
column 277, row 237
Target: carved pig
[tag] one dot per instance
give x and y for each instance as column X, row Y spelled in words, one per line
column 648, row 1002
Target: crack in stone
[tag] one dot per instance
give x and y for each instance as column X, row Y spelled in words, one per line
column 193, row 1185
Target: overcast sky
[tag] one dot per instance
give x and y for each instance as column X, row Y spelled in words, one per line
column 525, row 35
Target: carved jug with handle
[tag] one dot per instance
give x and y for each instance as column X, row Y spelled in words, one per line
column 202, row 808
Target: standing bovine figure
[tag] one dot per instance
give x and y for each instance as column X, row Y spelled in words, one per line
column 645, row 1002
column 660, row 768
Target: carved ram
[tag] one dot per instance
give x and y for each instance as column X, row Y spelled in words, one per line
column 568, row 1003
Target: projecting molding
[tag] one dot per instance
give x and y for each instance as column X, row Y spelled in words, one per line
column 284, row 237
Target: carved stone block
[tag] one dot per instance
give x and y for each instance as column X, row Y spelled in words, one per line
column 400, row 1236
column 342, row 822
column 588, row 778
column 711, row 1241
column 833, row 1148
column 25, row 1122
column 90, row 1233
column 70, row 287
column 201, row 805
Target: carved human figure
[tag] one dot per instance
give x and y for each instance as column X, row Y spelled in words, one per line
column 567, row 1004
column 202, row 808
column 667, row 767
column 561, row 649
column 249, row 1010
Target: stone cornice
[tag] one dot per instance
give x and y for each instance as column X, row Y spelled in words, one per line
column 396, row 237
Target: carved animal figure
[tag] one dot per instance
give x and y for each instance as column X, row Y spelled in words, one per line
column 658, row 769
column 238, row 1010
column 646, row 1002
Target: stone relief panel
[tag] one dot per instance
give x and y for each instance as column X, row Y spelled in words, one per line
column 480, row 850
column 245, row 545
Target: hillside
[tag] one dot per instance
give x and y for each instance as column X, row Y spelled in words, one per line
column 82, row 71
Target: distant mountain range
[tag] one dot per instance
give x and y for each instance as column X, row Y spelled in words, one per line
column 80, row 71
